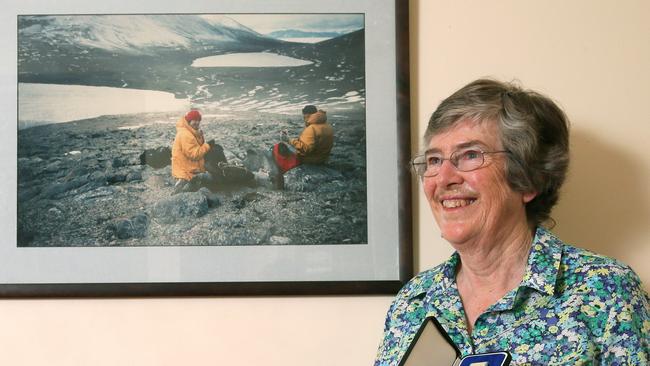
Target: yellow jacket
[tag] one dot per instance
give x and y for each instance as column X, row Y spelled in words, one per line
column 188, row 151
column 316, row 140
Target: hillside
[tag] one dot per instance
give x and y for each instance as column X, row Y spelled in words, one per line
column 156, row 53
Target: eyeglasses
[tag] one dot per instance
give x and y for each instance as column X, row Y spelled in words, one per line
column 429, row 164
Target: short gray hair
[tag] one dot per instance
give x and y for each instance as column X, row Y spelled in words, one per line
column 533, row 129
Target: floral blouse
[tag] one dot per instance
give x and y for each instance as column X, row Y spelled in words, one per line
column 573, row 307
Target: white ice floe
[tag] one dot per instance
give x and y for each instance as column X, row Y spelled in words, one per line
column 249, row 59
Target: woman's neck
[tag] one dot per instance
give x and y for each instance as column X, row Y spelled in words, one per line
column 498, row 264
column 489, row 271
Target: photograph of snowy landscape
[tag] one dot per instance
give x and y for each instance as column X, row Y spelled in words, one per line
column 98, row 100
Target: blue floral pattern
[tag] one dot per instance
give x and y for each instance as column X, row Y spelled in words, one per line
column 573, row 307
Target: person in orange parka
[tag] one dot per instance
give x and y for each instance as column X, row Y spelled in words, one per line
column 189, row 149
column 314, row 144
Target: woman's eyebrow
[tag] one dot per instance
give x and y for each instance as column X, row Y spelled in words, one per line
column 462, row 145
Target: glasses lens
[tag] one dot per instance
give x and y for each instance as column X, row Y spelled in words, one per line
column 467, row 160
column 419, row 165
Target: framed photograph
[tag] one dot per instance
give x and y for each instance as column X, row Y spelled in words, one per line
column 161, row 148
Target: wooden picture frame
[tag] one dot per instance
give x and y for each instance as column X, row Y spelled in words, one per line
column 379, row 266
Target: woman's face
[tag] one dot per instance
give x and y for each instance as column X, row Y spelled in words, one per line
column 195, row 124
column 478, row 204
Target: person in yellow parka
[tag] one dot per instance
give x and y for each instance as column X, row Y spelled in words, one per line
column 189, row 149
column 314, row 144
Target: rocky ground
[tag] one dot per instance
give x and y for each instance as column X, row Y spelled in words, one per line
column 83, row 184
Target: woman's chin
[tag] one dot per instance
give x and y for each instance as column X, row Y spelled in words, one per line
column 456, row 234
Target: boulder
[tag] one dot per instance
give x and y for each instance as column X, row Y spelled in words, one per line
column 120, row 162
column 213, row 199
column 309, row 178
column 233, row 176
column 180, row 206
column 113, row 177
column 123, row 228
column 27, row 193
column 134, row 176
column 98, row 177
column 242, row 200
column 53, row 167
column 58, row 189
column 156, row 182
column 157, row 158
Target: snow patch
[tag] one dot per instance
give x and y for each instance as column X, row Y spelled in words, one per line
column 255, row 90
column 218, row 115
column 249, row 59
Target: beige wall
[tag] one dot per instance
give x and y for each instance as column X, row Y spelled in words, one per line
column 590, row 56
column 593, row 58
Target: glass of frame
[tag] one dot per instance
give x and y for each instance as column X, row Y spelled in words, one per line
column 92, row 95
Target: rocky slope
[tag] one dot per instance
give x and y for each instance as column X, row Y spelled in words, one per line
column 83, row 184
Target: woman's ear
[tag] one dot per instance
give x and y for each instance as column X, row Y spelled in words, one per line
column 529, row 196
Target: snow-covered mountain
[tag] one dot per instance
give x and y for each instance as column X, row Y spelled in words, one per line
column 134, row 34
column 160, row 53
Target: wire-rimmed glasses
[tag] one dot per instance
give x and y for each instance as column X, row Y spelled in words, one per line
column 465, row 160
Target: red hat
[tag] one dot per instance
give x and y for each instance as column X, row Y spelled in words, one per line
column 193, row 115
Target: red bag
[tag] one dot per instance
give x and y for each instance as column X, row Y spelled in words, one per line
column 284, row 158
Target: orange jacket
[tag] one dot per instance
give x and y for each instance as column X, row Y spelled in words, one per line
column 188, row 151
column 316, row 140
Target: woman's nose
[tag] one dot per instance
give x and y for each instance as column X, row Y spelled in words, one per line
column 448, row 174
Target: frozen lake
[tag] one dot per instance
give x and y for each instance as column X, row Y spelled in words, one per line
column 52, row 103
column 306, row 40
column 250, row 59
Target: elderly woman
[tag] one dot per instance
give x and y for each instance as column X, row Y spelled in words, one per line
column 496, row 157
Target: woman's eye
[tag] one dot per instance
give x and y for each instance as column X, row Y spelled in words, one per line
column 433, row 160
column 470, row 155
